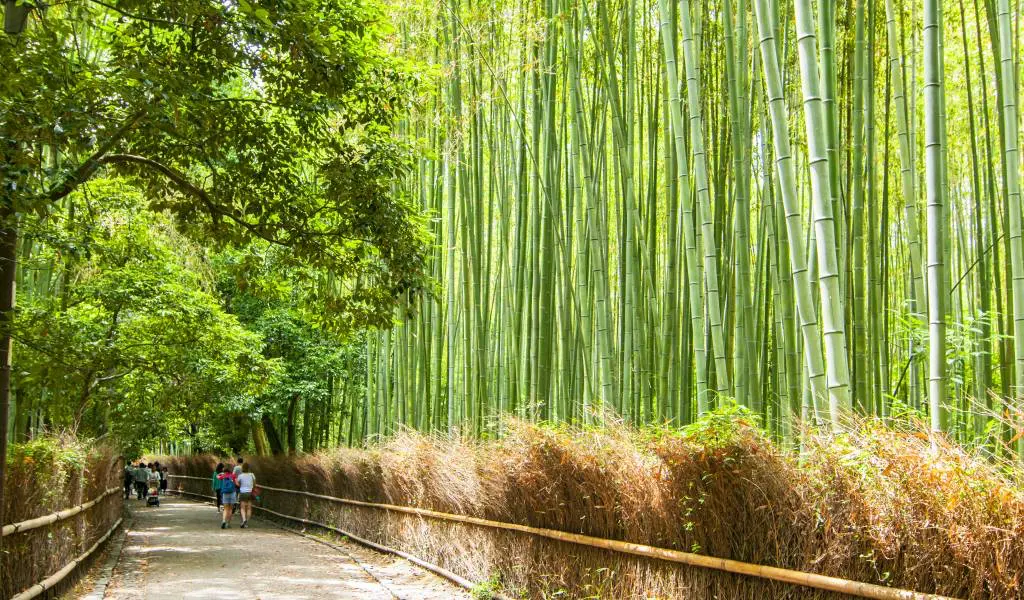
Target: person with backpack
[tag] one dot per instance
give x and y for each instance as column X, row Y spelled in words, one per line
column 246, row 488
column 228, row 497
column 235, row 473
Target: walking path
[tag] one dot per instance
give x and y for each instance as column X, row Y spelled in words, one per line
column 179, row 551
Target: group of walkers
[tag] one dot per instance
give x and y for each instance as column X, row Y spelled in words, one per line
column 142, row 476
column 235, row 487
column 236, row 490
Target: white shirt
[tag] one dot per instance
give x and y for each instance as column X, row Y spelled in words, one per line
column 246, row 481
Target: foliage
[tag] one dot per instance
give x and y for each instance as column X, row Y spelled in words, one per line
column 248, row 121
column 129, row 336
column 140, row 143
column 262, row 286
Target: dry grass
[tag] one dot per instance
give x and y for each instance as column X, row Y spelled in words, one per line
column 44, row 476
column 875, row 505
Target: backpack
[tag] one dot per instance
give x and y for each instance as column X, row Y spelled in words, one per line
column 227, row 484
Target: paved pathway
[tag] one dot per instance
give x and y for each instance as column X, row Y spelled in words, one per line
column 179, row 551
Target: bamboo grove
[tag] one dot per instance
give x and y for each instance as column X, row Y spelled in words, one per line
column 657, row 206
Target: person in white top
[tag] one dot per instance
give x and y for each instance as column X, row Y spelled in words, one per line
column 246, row 483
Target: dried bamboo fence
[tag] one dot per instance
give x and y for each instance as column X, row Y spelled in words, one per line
column 41, row 552
column 812, row 580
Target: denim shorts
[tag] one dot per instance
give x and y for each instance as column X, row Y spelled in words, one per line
column 229, row 498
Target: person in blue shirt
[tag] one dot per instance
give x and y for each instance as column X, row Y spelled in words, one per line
column 216, row 483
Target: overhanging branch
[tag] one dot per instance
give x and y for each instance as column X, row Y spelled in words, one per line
column 186, row 186
column 91, row 164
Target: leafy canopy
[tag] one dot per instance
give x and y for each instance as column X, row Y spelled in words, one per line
column 269, row 121
column 129, row 334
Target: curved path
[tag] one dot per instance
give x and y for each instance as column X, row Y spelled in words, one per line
column 179, row 551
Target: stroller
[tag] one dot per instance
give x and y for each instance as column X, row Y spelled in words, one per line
column 153, row 495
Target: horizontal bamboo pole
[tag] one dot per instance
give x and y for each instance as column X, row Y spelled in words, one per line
column 814, row 580
column 59, row 576
column 54, row 517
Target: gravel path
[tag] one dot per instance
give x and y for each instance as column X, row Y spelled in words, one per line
column 179, row 551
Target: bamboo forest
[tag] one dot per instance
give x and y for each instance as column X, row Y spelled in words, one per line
column 659, row 207
column 546, row 298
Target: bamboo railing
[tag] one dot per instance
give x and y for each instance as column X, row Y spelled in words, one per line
column 55, row 579
column 54, row 517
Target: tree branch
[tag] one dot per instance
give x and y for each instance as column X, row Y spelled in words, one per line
column 174, row 175
column 186, row 186
column 89, row 167
column 138, row 17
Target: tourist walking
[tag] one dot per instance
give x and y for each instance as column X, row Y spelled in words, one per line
column 228, row 496
column 246, row 483
column 163, row 481
column 153, row 482
column 235, row 473
column 141, row 477
column 216, row 484
column 129, row 480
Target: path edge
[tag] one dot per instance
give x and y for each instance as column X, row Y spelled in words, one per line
column 116, row 547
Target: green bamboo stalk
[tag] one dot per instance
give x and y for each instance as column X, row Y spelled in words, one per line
column 786, row 178
column 937, row 292
column 692, row 262
column 711, row 279
column 1011, row 154
column 832, row 310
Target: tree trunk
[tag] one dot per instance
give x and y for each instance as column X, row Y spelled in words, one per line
column 308, row 425
column 259, row 439
column 272, row 438
column 21, row 410
column 290, row 424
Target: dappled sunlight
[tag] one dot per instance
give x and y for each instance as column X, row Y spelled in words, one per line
column 325, row 588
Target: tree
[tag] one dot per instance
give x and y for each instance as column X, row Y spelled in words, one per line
column 271, row 296
column 269, row 120
column 126, row 333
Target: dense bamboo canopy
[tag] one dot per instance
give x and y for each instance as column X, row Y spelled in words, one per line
column 543, row 209
column 656, row 206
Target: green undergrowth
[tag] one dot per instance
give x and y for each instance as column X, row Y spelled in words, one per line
column 44, row 472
